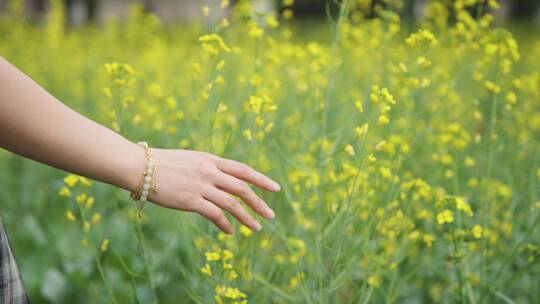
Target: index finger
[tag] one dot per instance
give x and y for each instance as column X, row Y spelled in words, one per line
column 248, row 174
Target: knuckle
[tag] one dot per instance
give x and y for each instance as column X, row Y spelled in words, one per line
column 244, row 191
column 230, row 205
column 258, row 204
column 186, row 207
column 210, row 156
column 244, row 169
column 188, row 199
column 206, row 171
column 190, row 202
column 215, row 215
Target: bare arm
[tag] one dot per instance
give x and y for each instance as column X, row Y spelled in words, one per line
column 34, row 124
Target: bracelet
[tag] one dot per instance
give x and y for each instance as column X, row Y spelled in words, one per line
column 148, row 181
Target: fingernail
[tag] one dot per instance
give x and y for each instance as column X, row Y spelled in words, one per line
column 257, row 226
column 270, row 213
column 276, row 186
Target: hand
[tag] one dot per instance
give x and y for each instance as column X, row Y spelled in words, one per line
column 203, row 183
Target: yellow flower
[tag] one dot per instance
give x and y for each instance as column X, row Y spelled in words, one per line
column 494, row 4
column 227, row 255
column 272, row 21
column 387, row 96
column 422, row 38
column 359, row 106
column 222, row 108
column 288, row 2
column 383, row 120
column 350, row 150
column 64, row 191
column 96, row 218
column 247, row 134
column 207, row 270
column 219, row 289
column 212, row 255
column 104, row 245
column 477, row 231
column 255, row 31
column 71, row 180
column 89, row 202
column 232, row 275
column 220, row 65
column 423, row 62
column 220, row 80
column 380, row 145
column 86, row 226
column 462, row 205
column 361, row 130
column 428, row 239
column 492, row 87
column 469, row 162
column 245, row 231
column 287, row 13
column 84, row 181
column 374, row 281
column 259, row 121
column 264, row 243
column 269, row 127
column 385, row 172
column 81, row 198
column 472, row 182
column 446, row 216
column 107, row 92
column 70, row 216
column 212, row 44
column 447, row 159
column 511, row 98
column 234, row 293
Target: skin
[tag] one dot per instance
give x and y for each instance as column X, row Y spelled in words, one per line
column 36, row 125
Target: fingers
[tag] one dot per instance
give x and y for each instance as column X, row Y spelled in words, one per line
column 215, row 214
column 226, row 202
column 246, row 173
column 237, row 187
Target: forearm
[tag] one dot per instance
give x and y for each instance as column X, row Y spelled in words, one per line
column 34, row 124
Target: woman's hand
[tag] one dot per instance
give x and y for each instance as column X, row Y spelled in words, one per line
column 203, row 183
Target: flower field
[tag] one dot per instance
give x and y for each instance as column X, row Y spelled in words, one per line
column 407, row 155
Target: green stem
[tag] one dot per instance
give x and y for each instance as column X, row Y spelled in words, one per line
column 144, row 254
column 96, row 256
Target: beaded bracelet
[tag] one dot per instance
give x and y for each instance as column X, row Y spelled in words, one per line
column 148, row 182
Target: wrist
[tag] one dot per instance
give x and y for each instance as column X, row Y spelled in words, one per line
column 132, row 165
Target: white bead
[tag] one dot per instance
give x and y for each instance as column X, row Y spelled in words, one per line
column 144, row 193
column 149, row 171
column 146, row 186
column 143, row 199
column 149, row 165
column 147, row 179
